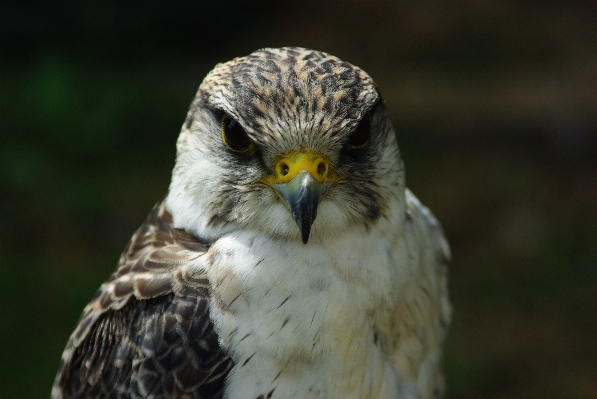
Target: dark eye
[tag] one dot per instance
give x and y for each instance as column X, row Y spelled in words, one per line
column 234, row 136
column 360, row 136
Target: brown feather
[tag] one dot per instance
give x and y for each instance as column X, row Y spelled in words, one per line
column 147, row 332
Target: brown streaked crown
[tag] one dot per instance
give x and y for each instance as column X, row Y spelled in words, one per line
column 290, row 92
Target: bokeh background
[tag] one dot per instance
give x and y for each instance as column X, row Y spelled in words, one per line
column 495, row 105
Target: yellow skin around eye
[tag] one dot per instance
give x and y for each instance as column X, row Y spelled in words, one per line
column 356, row 147
column 248, row 149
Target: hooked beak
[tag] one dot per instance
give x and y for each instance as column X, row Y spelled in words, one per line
column 301, row 179
column 302, row 195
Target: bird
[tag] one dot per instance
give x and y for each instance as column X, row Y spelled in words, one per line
column 287, row 259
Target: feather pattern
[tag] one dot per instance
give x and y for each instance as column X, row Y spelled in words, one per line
column 147, row 332
column 247, row 311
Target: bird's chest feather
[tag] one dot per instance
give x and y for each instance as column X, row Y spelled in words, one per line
column 299, row 321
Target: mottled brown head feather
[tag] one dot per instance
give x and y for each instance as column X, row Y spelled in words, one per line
column 290, row 91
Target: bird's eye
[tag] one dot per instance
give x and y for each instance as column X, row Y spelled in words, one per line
column 360, row 136
column 234, row 136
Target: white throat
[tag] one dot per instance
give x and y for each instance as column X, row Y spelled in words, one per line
column 299, row 319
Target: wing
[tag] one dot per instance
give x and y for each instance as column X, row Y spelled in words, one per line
column 424, row 252
column 147, row 333
column 428, row 247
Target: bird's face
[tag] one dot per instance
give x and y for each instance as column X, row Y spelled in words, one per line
column 291, row 142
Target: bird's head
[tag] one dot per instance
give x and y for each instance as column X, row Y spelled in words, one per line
column 290, row 142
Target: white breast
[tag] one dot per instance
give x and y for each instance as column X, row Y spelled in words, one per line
column 299, row 320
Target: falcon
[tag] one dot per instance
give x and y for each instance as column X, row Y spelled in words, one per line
column 288, row 259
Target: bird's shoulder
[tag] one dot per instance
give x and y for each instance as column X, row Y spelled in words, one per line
column 430, row 234
column 147, row 330
column 429, row 254
column 423, row 304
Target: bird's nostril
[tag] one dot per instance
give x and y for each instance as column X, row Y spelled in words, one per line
column 284, row 169
column 321, row 168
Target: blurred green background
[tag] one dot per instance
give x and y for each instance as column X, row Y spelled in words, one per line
column 495, row 105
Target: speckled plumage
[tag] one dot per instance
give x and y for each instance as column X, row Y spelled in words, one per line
column 216, row 295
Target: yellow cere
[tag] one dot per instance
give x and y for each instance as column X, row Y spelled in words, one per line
column 289, row 165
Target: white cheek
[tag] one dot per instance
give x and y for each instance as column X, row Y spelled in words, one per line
column 194, row 198
column 194, row 192
column 330, row 217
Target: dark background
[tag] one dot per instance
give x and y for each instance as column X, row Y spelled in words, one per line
column 495, row 108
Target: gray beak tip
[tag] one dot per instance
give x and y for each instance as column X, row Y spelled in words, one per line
column 302, row 195
column 305, row 241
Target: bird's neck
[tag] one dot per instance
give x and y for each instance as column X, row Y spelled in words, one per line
column 301, row 318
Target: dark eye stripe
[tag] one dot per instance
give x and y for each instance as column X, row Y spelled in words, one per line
column 234, row 136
